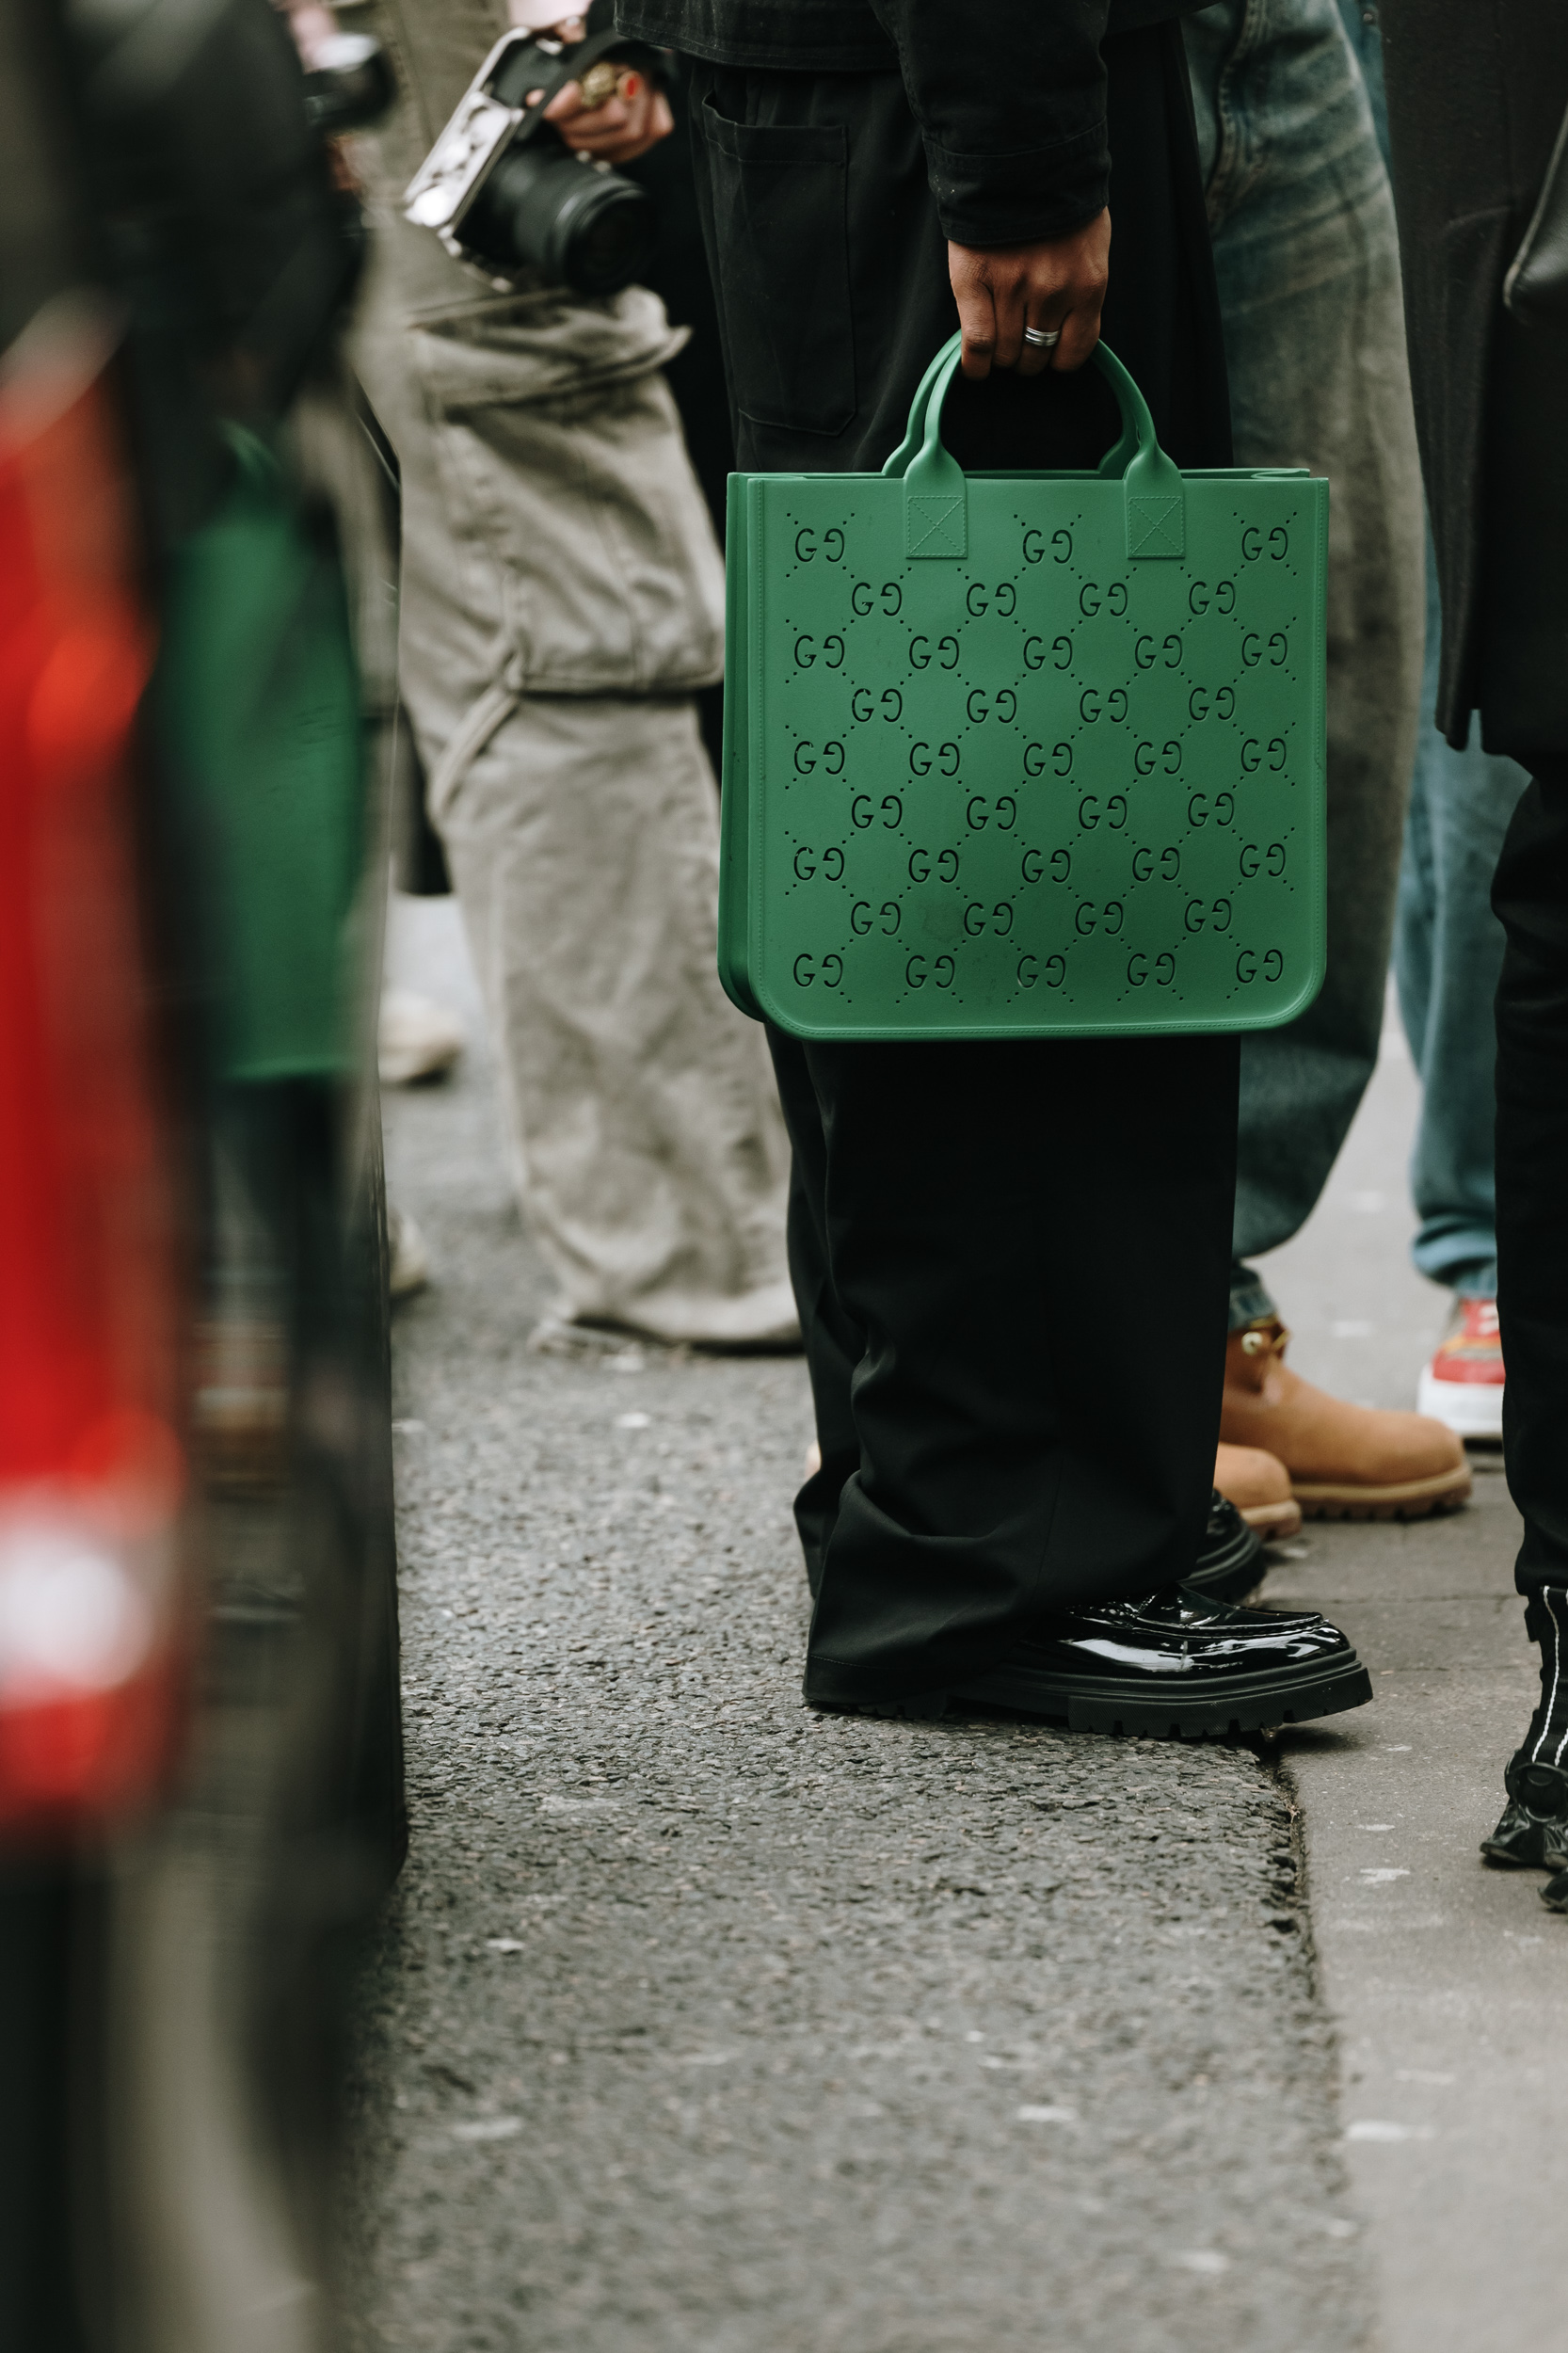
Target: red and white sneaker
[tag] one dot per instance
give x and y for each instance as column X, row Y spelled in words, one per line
column 1464, row 1384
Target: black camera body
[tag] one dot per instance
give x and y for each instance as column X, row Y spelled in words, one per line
column 502, row 189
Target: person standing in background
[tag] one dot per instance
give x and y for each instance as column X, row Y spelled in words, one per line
column 1478, row 96
column 1448, row 956
column 562, row 611
column 1307, row 259
column 1014, row 1480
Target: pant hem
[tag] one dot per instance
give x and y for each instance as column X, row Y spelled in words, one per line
column 1249, row 1302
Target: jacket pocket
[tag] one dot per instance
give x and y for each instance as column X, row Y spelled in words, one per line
column 779, row 200
column 606, row 578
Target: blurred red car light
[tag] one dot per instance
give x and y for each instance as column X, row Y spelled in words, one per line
column 90, row 1470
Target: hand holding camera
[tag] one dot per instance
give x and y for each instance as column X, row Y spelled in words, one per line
column 617, row 127
column 521, row 178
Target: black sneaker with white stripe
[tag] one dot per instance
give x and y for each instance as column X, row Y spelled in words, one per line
column 1532, row 1834
column 1533, row 1831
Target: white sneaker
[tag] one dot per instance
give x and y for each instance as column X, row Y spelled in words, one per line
column 417, row 1039
column 408, row 1254
column 1462, row 1386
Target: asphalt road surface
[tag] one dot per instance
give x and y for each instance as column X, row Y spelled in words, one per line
column 705, row 2024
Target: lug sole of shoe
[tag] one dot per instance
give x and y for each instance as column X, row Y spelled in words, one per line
column 1471, row 1409
column 1251, row 1704
column 1274, row 1522
column 1412, row 1499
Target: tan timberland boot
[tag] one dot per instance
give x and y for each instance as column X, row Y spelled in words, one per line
column 1346, row 1462
column 1260, row 1486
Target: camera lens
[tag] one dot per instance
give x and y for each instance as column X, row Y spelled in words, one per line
column 577, row 225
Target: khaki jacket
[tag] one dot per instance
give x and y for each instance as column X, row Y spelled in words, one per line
column 555, row 532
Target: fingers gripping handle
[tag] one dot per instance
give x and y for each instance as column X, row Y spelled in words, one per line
column 936, row 499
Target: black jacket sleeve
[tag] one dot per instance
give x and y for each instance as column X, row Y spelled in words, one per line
column 1010, row 97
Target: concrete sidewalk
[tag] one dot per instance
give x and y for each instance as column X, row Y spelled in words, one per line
column 1446, row 1979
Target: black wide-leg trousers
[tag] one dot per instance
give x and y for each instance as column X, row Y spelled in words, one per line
column 1530, row 896
column 1012, row 1261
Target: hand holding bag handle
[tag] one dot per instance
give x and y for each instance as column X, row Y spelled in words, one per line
column 1112, row 465
column 936, row 501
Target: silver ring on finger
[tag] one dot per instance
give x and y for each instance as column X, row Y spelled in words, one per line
column 1043, row 338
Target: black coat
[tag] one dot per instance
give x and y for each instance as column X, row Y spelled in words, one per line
column 1010, row 96
column 1477, row 93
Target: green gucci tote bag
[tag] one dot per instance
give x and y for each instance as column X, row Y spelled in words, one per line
column 1024, row 755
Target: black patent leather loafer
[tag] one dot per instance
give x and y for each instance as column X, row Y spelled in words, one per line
column 1177, row 1667
column 1230, row 1564
column 1533, row 1831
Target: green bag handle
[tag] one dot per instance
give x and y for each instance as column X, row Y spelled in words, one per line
column 935, row 492
column 1114, row 463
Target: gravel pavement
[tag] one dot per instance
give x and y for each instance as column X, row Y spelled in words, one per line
column 704, row 2024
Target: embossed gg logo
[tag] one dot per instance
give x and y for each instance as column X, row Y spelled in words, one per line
column 1252, row 543
column 946, row 866
column 1114, row 812
column 1053, row 974
column 979, row 599
column 919, row 759
column 1108, row 919
column 861, row 813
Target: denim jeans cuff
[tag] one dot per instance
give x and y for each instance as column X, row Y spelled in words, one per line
column 1249, row 1301
column 1463, row 1261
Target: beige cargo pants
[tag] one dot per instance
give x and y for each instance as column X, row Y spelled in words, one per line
column 562, row 597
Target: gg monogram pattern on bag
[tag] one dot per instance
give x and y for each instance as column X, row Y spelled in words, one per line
column 1041, row 785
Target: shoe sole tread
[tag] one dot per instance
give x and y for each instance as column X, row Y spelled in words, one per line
column 1411, row 1500
column 1253, row 1703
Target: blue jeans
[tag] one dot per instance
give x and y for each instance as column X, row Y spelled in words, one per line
column 1447, row 943
column 1447, row 955
column 1308, row 261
